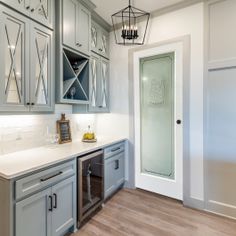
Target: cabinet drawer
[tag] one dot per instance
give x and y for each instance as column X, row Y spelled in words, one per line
column 114, row 149
column 114, row 173
column 35, row 182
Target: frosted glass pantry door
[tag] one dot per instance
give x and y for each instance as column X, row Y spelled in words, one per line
column 157, row 115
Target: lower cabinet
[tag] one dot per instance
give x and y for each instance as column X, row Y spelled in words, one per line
column 49, row 212
column 114, row 169
column 63, row 207
column 33, row 216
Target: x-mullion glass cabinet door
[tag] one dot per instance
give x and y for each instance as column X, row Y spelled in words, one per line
column 13, row 73
column 94, row 81
column 103, row 43
column 41, row 11
column 99, row 82
column 99, row 40
column 41, row 69
column 22, row 6
column 94, row 37
column 103, row 86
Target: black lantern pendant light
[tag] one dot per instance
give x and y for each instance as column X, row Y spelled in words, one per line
column 130, row 25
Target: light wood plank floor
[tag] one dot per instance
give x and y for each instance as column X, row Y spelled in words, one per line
column 136, row 212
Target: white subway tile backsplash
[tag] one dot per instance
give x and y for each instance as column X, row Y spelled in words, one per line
column 29, row 131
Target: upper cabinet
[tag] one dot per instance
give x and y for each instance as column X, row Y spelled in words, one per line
column 39, row 10
column 76, row 26
column 99, row 40
column 26, row 71
column 14, row 38
column 99, row 81
column 41, row 68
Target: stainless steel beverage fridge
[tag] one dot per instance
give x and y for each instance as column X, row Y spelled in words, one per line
column 90, row 184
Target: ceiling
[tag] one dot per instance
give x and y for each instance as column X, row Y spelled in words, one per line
column 105, row 8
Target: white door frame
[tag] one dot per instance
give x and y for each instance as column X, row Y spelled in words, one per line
column 171, row 188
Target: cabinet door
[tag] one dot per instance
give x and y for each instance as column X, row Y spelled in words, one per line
column 114, row 173
column 70, row 22
column 22, row 6
column 103, row 100
column 119, row 169
column 32, row 216
column 83, row 30
column 41, row 68
column 41, row 11
column 109, row 178
column 103, row 44
column 64, row 206
column 14, row 31
column 94, row 37
column 94, row 81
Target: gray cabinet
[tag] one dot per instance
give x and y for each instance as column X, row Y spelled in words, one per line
column 38, row 10
column 99, row 82
column 76, row 26
column 51, row 212
column 41, row 95
column 114, row 169
column 26, row 71
column 63, row 215
column 14, row 36
column 99, row 40
column 33, row 216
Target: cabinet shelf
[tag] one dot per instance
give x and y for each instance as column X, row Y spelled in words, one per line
column 75, row 77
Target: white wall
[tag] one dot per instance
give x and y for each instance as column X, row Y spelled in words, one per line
column 187, row 21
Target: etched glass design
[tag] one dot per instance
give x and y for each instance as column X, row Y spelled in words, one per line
column 157, row 116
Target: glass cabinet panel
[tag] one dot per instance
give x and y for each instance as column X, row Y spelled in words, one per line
column 94, row 64
column 21, row 5
column 41, row 64
column 104, row 44
column 40, row 10
column 104, row 84
column 14, row 60
column 94, row 37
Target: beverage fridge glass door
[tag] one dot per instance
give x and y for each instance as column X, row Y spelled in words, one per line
column 90, row 183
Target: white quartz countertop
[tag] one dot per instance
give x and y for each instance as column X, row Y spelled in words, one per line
column 19, row 163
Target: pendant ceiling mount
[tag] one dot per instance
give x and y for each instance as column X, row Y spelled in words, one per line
column 130, row 25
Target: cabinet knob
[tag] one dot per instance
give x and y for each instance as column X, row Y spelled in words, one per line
column 28, row 7
column 78, row 44
column 32, row 104
column 100, row 49
column 32, row 10
column 27, row 103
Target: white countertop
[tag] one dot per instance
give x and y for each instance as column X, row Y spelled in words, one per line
column 19, row 163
